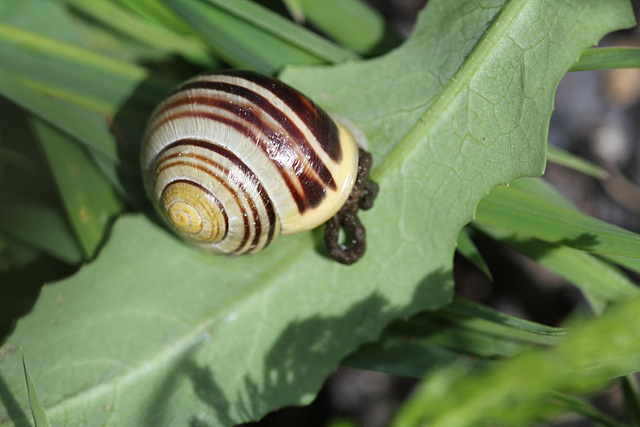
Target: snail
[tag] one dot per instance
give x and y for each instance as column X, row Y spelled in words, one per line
column 233, row 159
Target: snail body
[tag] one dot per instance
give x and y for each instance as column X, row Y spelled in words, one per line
column 233, row 159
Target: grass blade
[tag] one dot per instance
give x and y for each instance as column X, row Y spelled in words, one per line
column 515, row 209
column 631, row 395
column 467, row 249
column 85, row 125
column 40, row 227
column 296, row 10
column 283, row 28
column 71, row 73
column 157, row 11
column 144, row 31
column 573, row 404
column 564, row 158
column 87, row 195
column 352, row 23
column 40, row 418
column 589, row 273
column 247, row 35
column 458, row 332
column 629, row 263
column 607, row 57
column 581, row 363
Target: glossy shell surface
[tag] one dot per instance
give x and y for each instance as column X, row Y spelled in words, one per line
column 231, row 160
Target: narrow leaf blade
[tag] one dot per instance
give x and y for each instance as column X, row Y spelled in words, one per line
column 582, row 363
column 40, row 227
column 515, row 209
column 564, row 158
column 88, row 197
column 587, row 272
column 468, row 249
column 40, row 418
column 607, row 57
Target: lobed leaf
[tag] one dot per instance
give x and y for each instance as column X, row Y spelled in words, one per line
column 153, row 331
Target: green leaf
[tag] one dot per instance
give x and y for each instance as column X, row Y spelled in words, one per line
column 296, row 9
column 83, row 124
column 352, row 23
column 247, row 35
column 13, row 255
column 156, row 36
column 157, row 332
column 468, row 249
column 70, row 73
column 292, row 34
column 632, row 264
column 117, row 158
column 607, row 57
column 37, row 409
column 49, row 19
column 40, row 227
column 515, row 209
column 342, row 423
column 583, row 362
column 17, row 159
column 579, row 406
column 540, row 189
column 87, row 195
column 564, row 158
column 592, row 275
column 56, row 20
column 157, row 11
column 629, row 385
column 461, row 331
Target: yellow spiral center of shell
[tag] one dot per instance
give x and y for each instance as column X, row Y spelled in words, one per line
column 193, row 212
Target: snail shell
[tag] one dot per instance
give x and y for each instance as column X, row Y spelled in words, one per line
column 231, row 160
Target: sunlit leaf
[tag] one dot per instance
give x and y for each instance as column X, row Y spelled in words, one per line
column 154, row 331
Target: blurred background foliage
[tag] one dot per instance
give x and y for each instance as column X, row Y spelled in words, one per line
column 58, row 198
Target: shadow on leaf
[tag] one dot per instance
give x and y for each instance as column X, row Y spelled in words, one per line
column 295, row 367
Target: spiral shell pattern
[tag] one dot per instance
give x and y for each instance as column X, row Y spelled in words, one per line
column 232, row 160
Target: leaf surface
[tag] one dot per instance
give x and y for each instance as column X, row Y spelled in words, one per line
column 154, row 332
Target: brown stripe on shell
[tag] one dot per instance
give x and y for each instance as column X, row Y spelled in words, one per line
column 295, row 134
column 315, row 119
column 268, row 206
column 312, row 191
column 223, row 152
column 245, row 236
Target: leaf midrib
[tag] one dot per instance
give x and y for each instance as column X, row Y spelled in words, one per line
column 483, row 49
